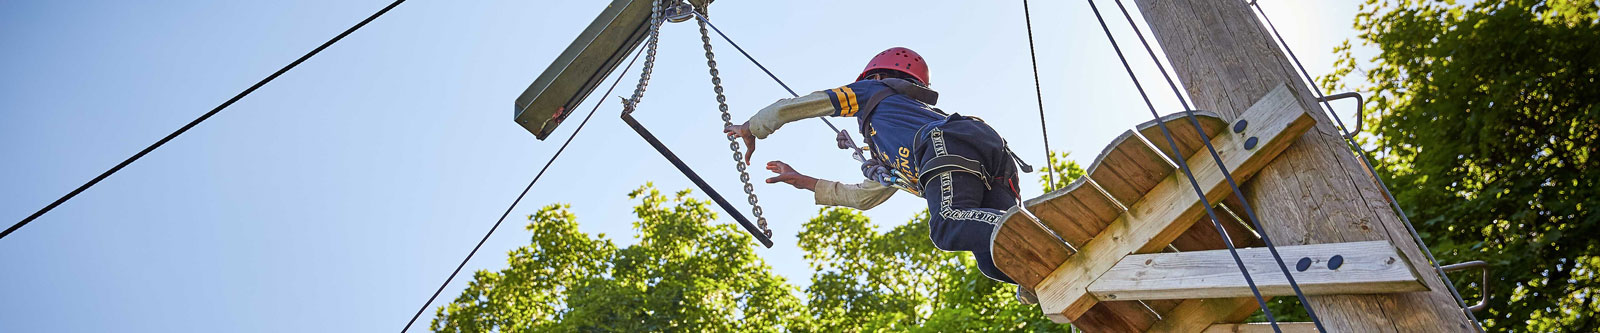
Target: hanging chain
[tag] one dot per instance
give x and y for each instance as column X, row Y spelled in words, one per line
column 733, row 141
column 649, row 59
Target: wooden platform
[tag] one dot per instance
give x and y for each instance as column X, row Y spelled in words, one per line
column 1136, row 201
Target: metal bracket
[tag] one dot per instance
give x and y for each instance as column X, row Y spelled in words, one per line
column 627, row 117
column 1482, row 302
column 680, row 12
column 1361, row 104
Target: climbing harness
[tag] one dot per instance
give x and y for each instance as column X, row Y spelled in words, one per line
column 1349, row 138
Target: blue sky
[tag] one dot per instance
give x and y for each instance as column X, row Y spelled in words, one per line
column 338, row 197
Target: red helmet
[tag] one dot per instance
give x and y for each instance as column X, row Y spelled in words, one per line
column 900, row 59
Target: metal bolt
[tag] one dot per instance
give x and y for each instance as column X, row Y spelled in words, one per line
column 1335, row 262
column 1303, row 265
column 1250, row 143
column 1238, row 127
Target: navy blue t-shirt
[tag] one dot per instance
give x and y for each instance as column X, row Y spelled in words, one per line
column 894, row 123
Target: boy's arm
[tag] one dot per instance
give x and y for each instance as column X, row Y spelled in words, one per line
column 861, row 196
column 770, row 118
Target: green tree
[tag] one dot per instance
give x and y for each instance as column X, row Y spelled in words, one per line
column 1066, row 171
column 686, row 274
column 896, row 280
column 1484, row 121
column 866, row 280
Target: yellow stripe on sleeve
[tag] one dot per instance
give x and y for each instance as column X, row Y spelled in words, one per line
column 839, row 95
column 850, row 95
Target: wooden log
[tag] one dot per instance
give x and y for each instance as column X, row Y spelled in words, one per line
column 1172, row 206
column 1317, row 191
column 1370, row 267
column 1261, row 328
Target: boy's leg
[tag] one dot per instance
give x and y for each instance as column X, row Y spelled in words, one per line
column 986, row 265
column 956, row 222
column 958, row 217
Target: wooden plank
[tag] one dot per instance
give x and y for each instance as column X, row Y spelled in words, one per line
column 1203, row 236
column 1141, row 164
column 1083, row 211
column 1161, row 215
column 1123, row 190
column 1078, row 224
column 1370, row 267
column 1105, row 317
column 1182, row 130
column 1020, row 262
column 1317, row 191
column 1197, row 314
column 1104, row 211
column 1261, row 328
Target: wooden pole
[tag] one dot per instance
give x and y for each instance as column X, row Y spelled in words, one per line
column 1316, row 191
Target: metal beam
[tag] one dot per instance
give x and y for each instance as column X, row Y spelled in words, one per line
column 592, row 56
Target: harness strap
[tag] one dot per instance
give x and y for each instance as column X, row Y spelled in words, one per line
column 953, row 163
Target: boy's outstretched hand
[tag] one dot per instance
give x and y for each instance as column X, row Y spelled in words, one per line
column 787, row 175
column 743, row 131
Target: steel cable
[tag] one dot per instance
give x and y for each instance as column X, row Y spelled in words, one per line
column 195, row 122
column 519, row 198
column 857, row 151
column 1038, row 93
column 1232, row 184
column 1184, row 166
column 1350, row 141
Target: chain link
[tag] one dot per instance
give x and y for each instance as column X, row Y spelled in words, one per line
column 649, row 59
column 629, row 103
column 727, row 120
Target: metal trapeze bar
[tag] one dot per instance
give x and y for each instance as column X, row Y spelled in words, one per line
column 693, row 177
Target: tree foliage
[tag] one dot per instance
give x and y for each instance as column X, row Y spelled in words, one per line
column 683, row 275
column 687, row 274
column 1065, row 170
column 1485, row 123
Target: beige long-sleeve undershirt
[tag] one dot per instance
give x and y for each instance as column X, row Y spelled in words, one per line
column 864, row 195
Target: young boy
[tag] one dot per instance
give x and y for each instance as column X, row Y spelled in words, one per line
column 958, row 163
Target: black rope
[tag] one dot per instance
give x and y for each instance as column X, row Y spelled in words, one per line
column 519, row 196
column 1350, row 141
column 1183, row 165
column 1038, row 93
column 194, row 122
column 1232, row 184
